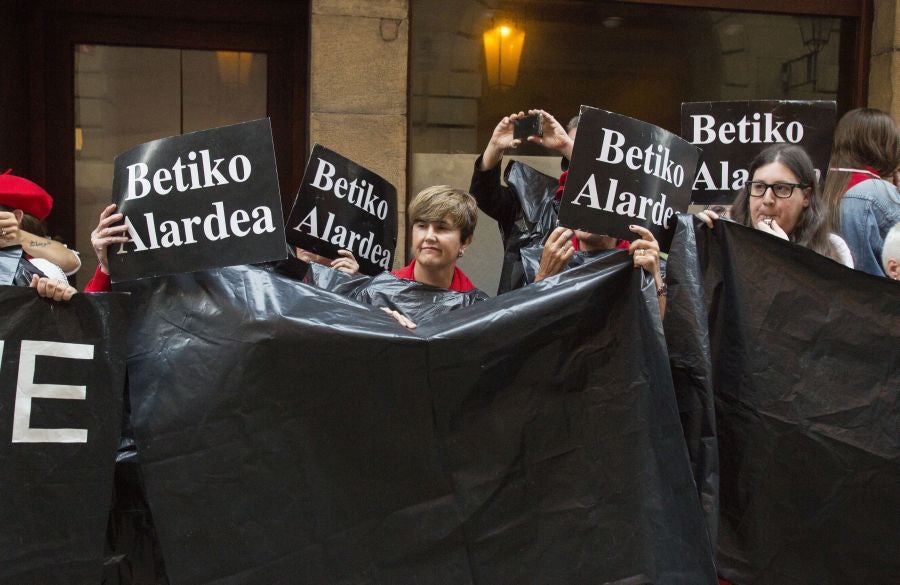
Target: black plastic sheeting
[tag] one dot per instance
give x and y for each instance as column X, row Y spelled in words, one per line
column 687, row 338
column 526, row 212
column 806, row 378
column 288, row 434
column 54, row 497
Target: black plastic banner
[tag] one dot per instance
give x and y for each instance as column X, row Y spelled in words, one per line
column 341, row 204
column 196, row 201
column 626, row 172
column 62, row 376
column 804, row 354
column 731, row 134
column 290, row 435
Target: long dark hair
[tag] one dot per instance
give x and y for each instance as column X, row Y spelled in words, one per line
column 864, row 137
column 811, row 230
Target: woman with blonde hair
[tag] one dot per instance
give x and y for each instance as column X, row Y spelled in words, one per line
column 442, row 223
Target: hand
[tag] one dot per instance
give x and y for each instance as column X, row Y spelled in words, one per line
column 555, row 136
column 770, row 226
column 645, row 254
column 9, row 229
column 707, row 216
column 557, row 251
column 52, row 289
column 501, row 140
column 399, row 318
column 106, row 234
column 347, row 263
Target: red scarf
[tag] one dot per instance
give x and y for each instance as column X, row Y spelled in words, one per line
column 459, row 283
column 858, row 177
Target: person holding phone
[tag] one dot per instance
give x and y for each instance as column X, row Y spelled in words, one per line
column 526, row 211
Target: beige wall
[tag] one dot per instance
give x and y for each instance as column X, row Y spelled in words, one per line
column 884, row 75
column 358, row 79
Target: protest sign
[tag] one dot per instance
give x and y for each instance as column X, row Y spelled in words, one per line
column 202, row 200
column 626, row 172
column 62, row 379
column 731, row 134
column 343, row 205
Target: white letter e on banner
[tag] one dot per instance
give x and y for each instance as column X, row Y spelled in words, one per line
column 26, row 390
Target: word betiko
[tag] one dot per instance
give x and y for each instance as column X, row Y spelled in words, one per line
column 626, row 172
column 731, row 134
column 213, row 226
column 203, row 200
column 343, row 205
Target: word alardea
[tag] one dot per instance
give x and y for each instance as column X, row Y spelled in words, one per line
column 202, row 174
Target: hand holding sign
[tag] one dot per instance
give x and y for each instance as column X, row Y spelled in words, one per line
column 106, row 234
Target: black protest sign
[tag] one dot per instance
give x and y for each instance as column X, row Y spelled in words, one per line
column 197, row 201
column 626, row 172
column 731, row 134
column 341, row 204
column 61, row 386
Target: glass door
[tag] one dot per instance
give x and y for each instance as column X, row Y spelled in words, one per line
column 125, row 96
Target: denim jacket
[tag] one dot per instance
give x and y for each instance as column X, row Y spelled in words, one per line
column 868, row 210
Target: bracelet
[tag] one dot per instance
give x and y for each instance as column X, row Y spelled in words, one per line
column 663, row 290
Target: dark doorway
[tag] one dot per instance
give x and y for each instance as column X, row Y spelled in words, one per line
column 50, row 115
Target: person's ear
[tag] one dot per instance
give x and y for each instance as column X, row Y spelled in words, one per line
column 807, row 193
column 19, row 215
column 893, row 269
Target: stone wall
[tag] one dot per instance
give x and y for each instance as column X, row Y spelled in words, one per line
column 884, row 73
column 358, row 87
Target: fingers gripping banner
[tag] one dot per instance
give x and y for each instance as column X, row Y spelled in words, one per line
column 806, row 383
column 61, row 381
column 289, row 435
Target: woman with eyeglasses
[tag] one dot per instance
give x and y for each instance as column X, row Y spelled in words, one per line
column 782, row 198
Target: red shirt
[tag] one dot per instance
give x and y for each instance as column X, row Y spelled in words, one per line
column 99, row 282
column 460, row 282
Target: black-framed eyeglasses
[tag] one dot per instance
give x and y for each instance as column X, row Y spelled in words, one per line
column 780, row 190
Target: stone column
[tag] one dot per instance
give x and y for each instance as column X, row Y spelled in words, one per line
column 358, row 87
column 884, row 73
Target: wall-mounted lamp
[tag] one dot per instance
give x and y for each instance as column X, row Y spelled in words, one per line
column 815, row 32
column 234, row 67
column 502, row 52
column 79, row 139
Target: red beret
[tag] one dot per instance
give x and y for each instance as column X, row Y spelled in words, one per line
column 20, row 193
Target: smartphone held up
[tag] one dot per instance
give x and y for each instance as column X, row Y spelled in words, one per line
column 529, row 126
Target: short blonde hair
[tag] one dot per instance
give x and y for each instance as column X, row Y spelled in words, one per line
column 442, row 201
